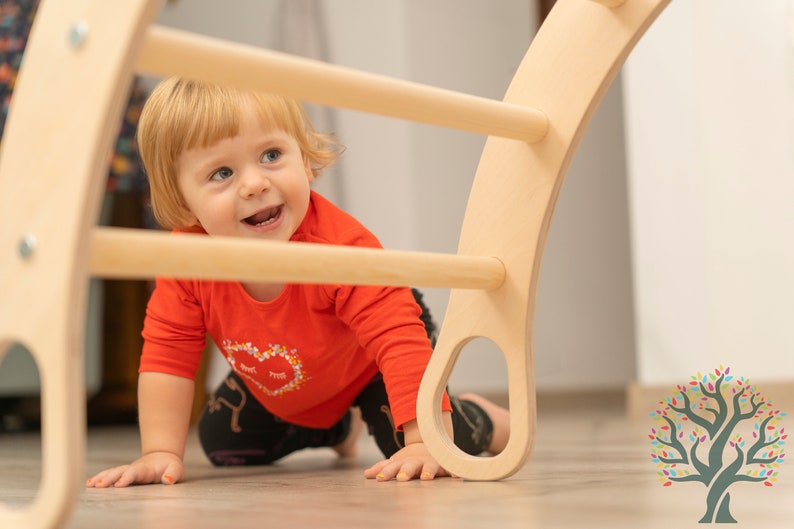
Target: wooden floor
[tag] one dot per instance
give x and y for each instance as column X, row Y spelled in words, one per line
column 590, row 468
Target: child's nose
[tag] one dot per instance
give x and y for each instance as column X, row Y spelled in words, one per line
column 254, row 183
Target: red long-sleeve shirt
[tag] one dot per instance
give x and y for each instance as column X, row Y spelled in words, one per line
column 306, row 354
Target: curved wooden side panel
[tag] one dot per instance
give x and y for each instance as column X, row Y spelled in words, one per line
column 571, row 62
column 55, row 153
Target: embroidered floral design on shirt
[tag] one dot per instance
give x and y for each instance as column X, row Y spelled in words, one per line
column 275, row 371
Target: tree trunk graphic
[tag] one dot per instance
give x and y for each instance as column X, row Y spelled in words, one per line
column 724, row 511
column 718, row 499
column 715, row 416
column 718, row 504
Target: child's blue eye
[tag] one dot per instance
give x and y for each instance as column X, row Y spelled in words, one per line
column 271, row 155
column 222, row 174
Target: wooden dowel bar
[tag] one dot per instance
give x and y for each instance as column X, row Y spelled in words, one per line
column 610, row 3
column 123, row 253
column 173, row 52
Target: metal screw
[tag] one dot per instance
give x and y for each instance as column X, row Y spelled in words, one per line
column 27, row 245
column 78, row 33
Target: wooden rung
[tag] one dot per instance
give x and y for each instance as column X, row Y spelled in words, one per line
column 173, row 52
column 124, row 253
column 610, row 3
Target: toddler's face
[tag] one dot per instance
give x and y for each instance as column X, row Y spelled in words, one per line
column 255, row 184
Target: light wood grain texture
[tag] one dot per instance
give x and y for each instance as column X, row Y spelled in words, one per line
column 135, row 254
column 170, row 52
column 67, row 101
column 566, row 71
column 610, row 3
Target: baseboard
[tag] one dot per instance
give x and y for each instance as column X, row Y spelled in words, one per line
column 574, row 400
column 642, row 399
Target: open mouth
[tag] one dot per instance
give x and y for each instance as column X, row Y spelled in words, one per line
column 264, row 217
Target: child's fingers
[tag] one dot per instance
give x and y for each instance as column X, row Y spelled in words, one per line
column 135, row 473
column 104, row 479
column 142, row 474
column 144, row 471
column 429, row 473
column 385, row 470
column 409, row 470
column 173, row 473
column 405, row 469
column 373, row 471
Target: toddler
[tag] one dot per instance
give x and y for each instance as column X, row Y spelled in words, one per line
column 308, row 362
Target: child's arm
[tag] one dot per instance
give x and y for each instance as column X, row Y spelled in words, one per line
column 164, row 405
column 411, row 461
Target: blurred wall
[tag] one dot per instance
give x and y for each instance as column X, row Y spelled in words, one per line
column 710, row 121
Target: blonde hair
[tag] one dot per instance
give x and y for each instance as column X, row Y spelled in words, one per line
column 182, row 114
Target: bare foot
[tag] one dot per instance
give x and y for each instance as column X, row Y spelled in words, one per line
column 349, row 447
column 500, row 417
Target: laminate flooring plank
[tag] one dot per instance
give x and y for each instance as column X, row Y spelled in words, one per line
column 588, row 470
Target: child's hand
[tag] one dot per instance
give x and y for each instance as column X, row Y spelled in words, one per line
column 157, row 467
column 413, row 461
